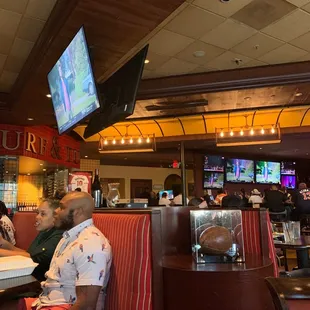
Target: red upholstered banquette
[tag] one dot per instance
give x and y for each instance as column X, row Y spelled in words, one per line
column 130, row 286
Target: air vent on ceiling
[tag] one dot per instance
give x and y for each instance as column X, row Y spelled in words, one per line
column 163, row 106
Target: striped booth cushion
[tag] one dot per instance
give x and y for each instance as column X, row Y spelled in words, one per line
column 25, row 231
column 252, row 236
column 130, row 286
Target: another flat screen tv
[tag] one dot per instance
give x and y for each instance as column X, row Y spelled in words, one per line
column 288, row 168
column 213, row 180
column 289, row 181
column 118, row 94
column 169, row 193
column 72, row 84
column 240, row 170
column 267, row 172
column 214, row 163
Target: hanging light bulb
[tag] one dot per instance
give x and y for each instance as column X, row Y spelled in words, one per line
column 272, row 130
column 148, row 139
column 139, row 140
column 131, row 141
column 123, row 140
column 252, row 131
column 222, row 133
column 231, row 133
column 241, row 132
column 262, row 131
column 114, row 141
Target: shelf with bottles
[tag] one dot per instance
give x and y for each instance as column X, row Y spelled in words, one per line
column 27, row 207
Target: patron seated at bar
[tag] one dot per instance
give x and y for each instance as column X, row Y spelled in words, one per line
column 178, row 199
column 6, row 224
column 80, row 267
column 301, row 199
column 43, row 246
column 275, row 199
column 164, row 201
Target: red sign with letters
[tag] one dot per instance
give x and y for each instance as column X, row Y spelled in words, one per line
column 39, row 142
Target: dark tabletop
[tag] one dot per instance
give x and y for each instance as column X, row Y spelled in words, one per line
column 302, row 243
column 291, row 288
column 18, row 285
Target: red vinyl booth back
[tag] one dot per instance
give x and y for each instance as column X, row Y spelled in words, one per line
column 25, row 230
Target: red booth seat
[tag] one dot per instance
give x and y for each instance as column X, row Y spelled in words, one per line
column 25, row 230
column 130, row 286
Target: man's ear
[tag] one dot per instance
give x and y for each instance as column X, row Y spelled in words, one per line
column 78, row 212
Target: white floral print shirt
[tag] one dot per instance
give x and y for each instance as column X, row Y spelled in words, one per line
column 83, row 257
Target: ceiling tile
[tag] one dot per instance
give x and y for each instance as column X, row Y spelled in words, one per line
column 302, row 41
column 228, row 34
column 210, row 52
column 304, row 58
column 283, row 54
column 155, row 61
column 299, row 3
column 254, row 63
column 227, row 61
column 261, row 13
column 168, row 43
column 17, row 6
column 175, row 67
column 202, row 69
column 14, row 64
column 40, row 9
column 2, row 61
column 290, row 27
column 257, row 45
column 9, row 22
column 7, row 80
column 30, row 29
column 224, row 9
column 21, row 48
column 306, row 7
column 6, row 44
column 194, row 22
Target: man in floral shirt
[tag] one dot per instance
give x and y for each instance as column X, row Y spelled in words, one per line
column 79, row 270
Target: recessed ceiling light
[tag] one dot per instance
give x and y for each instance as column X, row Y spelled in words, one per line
column 49, row 96
column 199, row 53
column 307, row 154
column 86, row 156
column 298, row 94
column 44, row 169
column 146, row 61
column 41, row 164
column 260, row 148
column 28, row 173
column 224, row 1
column 30, row 119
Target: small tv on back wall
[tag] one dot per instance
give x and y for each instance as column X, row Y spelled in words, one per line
column 239, row 170
column 72, row 84
column 268, row 172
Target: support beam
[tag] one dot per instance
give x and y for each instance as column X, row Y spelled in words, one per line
column 183, row 174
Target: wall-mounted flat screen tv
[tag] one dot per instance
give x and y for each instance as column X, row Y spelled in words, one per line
column 214, row 163
column 169, row 193
column 213, row 179
column 72, row 84
column 268, row 172
column 289, row 181
column 288, row 167
column 240, row 170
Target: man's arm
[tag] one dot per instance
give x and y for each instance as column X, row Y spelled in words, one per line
column 86, row 297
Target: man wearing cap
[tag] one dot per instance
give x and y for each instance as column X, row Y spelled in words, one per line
column 255, row 197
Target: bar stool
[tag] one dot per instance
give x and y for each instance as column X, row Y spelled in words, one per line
column 278, row 216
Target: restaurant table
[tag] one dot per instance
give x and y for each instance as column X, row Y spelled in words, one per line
column 225, row 286
column 301, row 246
column 289, row 293
column 19, row 285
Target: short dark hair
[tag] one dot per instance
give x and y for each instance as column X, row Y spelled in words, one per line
column 78, row 189
column 52, row 203
column 3, row 209
column 164, row 195
column 231, row 201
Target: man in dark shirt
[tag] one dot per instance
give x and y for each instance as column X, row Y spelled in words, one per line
column 275, row 200
column 301, row 199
